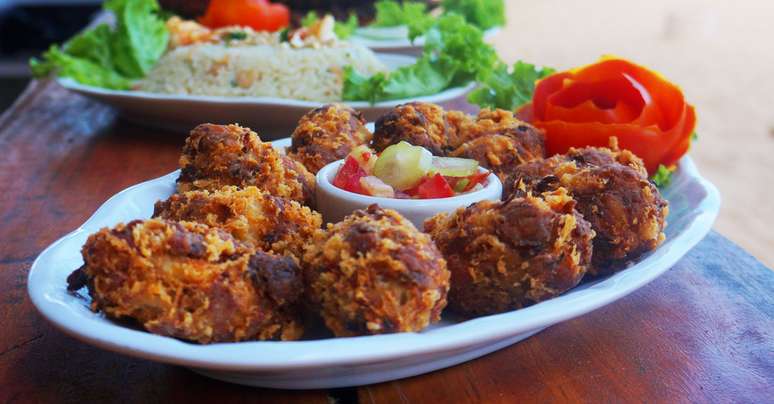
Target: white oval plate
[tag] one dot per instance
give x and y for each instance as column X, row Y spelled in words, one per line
column 271, row 117
column 395, row 39
column 337, row 362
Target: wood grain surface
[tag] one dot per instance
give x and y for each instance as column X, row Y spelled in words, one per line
column 703, row 332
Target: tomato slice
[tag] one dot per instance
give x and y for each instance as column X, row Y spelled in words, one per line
column 260, row 15
column 432, row 187
column 349, row 175
column 475, row 179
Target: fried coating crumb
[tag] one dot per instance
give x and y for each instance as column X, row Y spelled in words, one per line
column 418, row 123
column 500, row 142
column 613, row 193
column 215, row 156
column 193, row 282
column 252, row 216
column 375, row 273
column 457, row 121
column 327, row 134
column 506, row 255
column 495, row 138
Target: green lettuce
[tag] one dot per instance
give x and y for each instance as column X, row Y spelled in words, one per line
column 79, row 69
column 390, row 13
column 501, row 88
column 110, row 57
column 343, row 30
column 484, row 14
column 460, row 46
column 92, row 45
column 361, row 88
column 454, row 54
column 140, row 37
column 662, row 177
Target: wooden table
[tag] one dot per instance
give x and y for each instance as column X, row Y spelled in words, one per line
column 703, row 332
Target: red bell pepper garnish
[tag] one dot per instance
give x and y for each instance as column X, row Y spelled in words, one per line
column 613, row 97
column 349, row 175
column 432, row 187
column 260, row 15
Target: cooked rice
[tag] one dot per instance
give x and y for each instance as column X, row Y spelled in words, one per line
column 272, row 70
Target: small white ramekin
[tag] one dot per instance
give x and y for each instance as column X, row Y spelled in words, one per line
column 335, row 203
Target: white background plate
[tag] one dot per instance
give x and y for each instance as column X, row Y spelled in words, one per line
column 395, row 39
column 271, row 117
column 336, row 362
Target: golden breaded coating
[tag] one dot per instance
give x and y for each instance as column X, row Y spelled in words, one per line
column 252, row 216
column 506, row 255
column 500, row 142
column 499, row 153
column 457, row 121
column 575, row 159
column 418, row 123
column 327, row 134
column 375, row 273
column 503, row 122
column 600, row 156
column 190, row 281
column 215, row 156
column 613, row 193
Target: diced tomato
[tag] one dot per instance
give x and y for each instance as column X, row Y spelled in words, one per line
column 432, row 187
column 349, row 175
column 475, row 179
column 365, row 157
column 457, row 183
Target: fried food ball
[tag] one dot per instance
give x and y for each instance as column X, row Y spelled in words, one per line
column 500, row 142
column 190, row 281
column 506, row 255
column 327, row 134
column 215, row 156
column 252, row 216
column 375, row 273
column 613, row 193
column 418, row 123
column 537, row 171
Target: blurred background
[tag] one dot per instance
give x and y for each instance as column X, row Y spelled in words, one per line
column 720, row 52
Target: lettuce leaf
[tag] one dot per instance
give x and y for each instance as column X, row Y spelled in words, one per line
column 361, row 88
column 425, row 77
column 140, row 37
column 79, row 69
column 309, row 19
column 92, row 45
column 501, row 88
column 110, row 57
column 484, row 14
column 390, row 13
column 461, row 45
column 662, row 177
column 454, row 54
column 343, row 30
